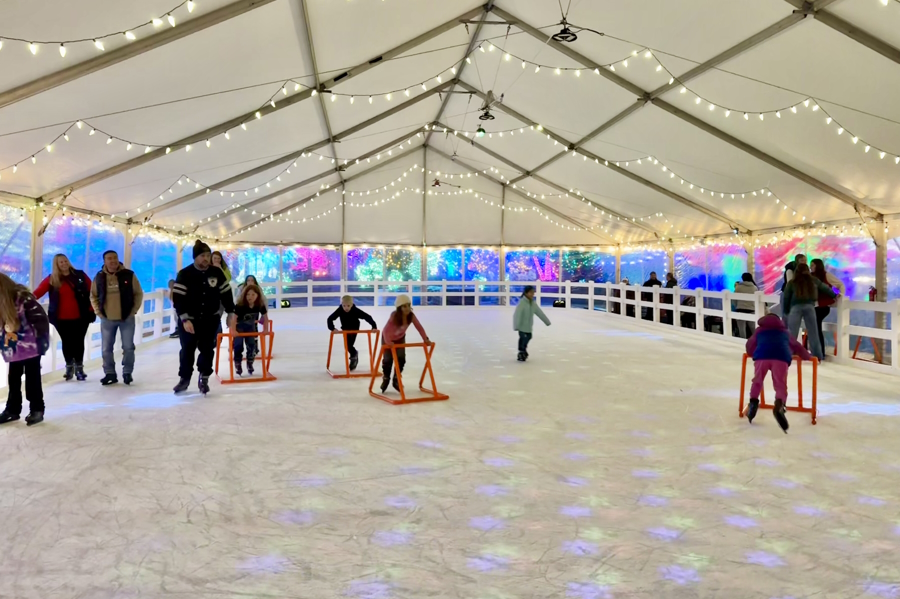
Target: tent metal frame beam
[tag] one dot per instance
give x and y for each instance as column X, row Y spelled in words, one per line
column 708, row 211
column 621, row 217
column 462, row 65
column 309, row 198
column 294, row 155
column 841, row 26
column 130, row 50
column 315, row 67
column 537, row 203
column 756, row 153
column 266, row 110
column 313, row 179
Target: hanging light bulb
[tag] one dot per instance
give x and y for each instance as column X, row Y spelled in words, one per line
column 109, row 141
column 171, row 19
column 130, row 36
column 33, row 47
column 62, row 50
column 191, row 6
column 157, row 22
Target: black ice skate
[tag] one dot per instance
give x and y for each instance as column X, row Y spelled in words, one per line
column 237, row 368
column 396, row 383
column 354, row 361
column 34, row 418
column 752, row 409
column 521, row 356
column 384, row 383
column 203, row 385
column 182, row 385
column 250, row 367
column 780, row 415
column 79, row 372
column 7, row 417
column 127, row 378
column 70, row 371
column 109, row 379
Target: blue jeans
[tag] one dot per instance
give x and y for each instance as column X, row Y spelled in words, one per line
column 108, row 330
column 806, row 313
column 524, row 338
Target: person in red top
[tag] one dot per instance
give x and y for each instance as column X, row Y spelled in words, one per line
column 395, row 334
column 70, row 311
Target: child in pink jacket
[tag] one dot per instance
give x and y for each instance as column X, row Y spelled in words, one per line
column 773, row 349
column 395, row 334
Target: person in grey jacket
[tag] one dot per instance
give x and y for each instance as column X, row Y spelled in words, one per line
column 523, row 320
column 746, row 285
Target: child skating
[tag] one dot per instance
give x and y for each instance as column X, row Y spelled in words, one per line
column 350, row 316
column 249, row 312
column 772, row 348
column 395, row 334
column 523, row 320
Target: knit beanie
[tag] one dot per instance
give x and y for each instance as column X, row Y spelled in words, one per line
column 201, row 248
column 403, row 300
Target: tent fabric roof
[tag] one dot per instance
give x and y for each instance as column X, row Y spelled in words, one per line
column 260, row 107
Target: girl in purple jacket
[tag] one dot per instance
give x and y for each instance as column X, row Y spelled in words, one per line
column 773, row 349
column 25, row 336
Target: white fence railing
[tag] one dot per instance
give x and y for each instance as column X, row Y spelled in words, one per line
column 705, row 313
column 694, row 311
column 152, row 322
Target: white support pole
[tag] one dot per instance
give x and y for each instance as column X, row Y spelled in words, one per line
column 880, row 236
column 37, row 248
column 751, row 259
column 179, row 255
column 126, row 255
column 670, row 254
column 618, row 266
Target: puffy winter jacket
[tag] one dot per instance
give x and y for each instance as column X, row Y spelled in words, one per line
column 33, row 335
column 523, row 319
column 772, row 341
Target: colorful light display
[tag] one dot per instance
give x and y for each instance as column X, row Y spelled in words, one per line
column 690, row 268
column 851, row 259
column 260, row 261
column 532, row 265
column 365, row 264
column 65, row 235
column 304, row 264
column 637, row 266
column 153, row 260
column 403, row 265
column 445, row 265
column 588, row 266
column 724, row 266
column 482, row 265
column 15, row 244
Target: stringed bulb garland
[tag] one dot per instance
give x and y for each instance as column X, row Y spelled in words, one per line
column 34, row 46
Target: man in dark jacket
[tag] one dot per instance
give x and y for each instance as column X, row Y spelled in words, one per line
column 666, row 316
column 350, row 316
column 647, row 313
column 116, row 297
column 199, row 291
column 790, row 267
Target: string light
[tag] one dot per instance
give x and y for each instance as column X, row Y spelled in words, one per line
column 33, row 45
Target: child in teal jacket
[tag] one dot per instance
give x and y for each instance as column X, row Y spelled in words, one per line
column 523, row 320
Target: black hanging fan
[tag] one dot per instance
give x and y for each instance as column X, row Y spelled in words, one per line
column 566, row 35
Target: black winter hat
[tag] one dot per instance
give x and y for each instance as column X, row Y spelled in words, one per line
column 201, row 248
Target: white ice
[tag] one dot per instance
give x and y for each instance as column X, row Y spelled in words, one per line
column 612, row 464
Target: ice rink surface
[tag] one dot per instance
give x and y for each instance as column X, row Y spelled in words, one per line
column 612, row 464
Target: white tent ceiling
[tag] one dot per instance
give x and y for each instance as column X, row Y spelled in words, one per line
column 561, row 154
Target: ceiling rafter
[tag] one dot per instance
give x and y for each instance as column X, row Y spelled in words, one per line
column 130, row 50
column 745, row 147
column 497, row 156
column 462, row 65
column 509, row 189
column 315, row 67
column 694, row 205
column 861, row 36
column 297, row 154
column 266, row 110
column 311, row 197
column 323, row 175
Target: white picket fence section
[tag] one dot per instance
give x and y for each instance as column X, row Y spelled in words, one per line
column 619, row 301
column 152, row 323
column 156, row 321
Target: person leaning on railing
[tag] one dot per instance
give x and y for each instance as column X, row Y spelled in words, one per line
column 799, row 299
column 70, row 311
column 823, row 306
column 746, row 286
